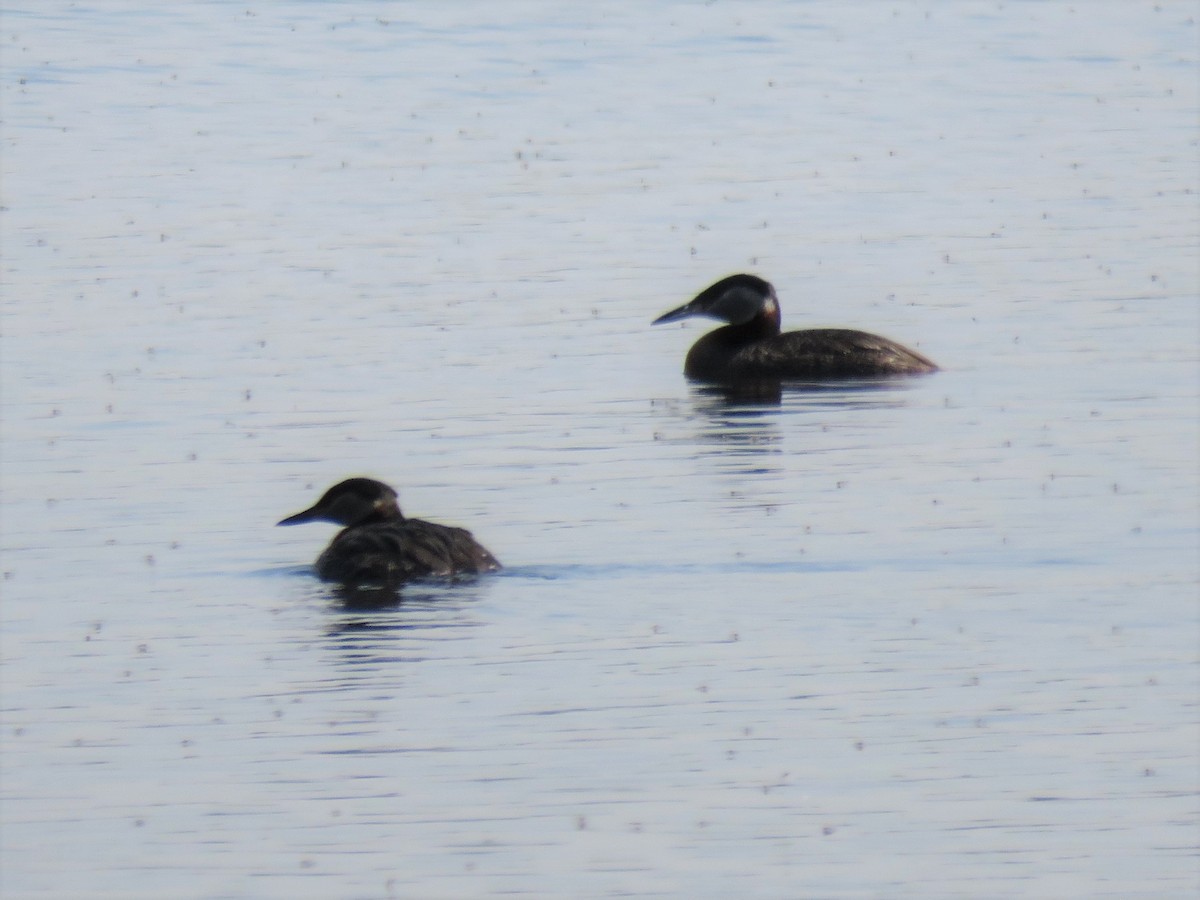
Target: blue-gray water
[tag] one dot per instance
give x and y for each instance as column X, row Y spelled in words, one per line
column 928, row 638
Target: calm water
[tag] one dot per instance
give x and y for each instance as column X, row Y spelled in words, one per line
column 928, row 638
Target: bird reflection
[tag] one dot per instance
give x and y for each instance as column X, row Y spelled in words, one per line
column 368, row 598
column 742, row 427
column 402, row 610
column 743, row 435
column 370, row 636
column 760, row 393
column 862, row 393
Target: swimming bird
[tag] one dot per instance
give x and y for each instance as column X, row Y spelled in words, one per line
column 751, row 346
column 379, row 546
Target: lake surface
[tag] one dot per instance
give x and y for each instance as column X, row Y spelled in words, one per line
column 924, row 638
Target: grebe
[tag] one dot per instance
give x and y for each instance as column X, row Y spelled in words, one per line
column 751, row 346
column 379, row 546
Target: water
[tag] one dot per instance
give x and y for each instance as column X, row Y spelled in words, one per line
column 924, row 638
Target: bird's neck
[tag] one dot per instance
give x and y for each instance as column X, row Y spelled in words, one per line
column 764, row 325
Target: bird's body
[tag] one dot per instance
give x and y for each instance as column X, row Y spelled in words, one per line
column 752, row 347
column 379, row 546
column 394, row 552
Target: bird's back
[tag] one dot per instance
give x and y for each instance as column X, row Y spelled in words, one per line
column 810, row 353
column 393, row 552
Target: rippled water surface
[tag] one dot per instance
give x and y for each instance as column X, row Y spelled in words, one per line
column 934, row 637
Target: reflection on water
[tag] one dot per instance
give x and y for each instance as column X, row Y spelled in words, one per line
column 371, row 642
column 858, row 393
column 367, row 597
column 741, row 427
column 369, row 638
column 743, row 438
column 401, row 610
column 411, row 595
